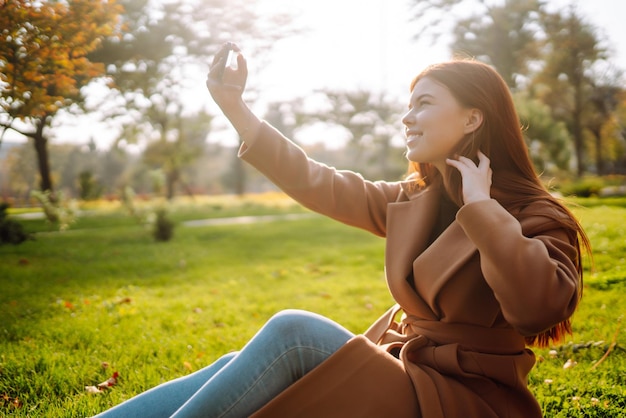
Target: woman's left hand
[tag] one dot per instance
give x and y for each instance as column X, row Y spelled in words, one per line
column 227, row 84
column 476, row 178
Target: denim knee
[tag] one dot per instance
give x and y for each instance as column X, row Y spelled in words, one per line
column 297, row 328
column 289, row 321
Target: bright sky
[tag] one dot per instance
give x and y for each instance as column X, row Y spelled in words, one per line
column 350, row 44
column 357, row 44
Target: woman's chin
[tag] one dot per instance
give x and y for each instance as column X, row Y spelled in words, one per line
column 414, row 157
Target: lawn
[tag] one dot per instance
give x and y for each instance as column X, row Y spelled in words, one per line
column 105, row 297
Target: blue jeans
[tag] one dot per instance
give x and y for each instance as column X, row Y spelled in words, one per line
column 288, row 346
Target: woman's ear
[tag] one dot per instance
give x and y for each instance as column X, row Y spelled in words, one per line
column 473, row 121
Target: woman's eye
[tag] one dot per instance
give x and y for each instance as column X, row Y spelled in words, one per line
column 424, row 103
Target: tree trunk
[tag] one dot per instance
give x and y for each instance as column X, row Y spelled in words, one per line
column 577, row 128
column 599, row 159
column 41, row 148
column 579, row 145
column 170, row 183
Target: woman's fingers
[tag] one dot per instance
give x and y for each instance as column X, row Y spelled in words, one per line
column 223, row 77
column 476, row 178
column 216, row 70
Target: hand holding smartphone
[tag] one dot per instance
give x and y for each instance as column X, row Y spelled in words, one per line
column 228, row 58
column 228, row 74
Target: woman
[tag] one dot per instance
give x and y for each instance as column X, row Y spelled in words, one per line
column 479, row 257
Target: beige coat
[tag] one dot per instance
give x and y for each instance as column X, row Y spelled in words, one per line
column 490, row 279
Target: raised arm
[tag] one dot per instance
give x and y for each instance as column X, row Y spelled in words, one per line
column 226, row 85
column 340, row 194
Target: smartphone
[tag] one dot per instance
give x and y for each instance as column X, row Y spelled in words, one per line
column 230, row 60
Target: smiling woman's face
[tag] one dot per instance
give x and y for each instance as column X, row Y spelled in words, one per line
column 435, row 123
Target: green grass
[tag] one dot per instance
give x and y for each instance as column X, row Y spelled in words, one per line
column 106, row 292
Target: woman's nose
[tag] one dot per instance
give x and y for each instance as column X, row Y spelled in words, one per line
column 407, row 119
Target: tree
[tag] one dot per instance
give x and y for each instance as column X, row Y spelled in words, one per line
column 566, row 80
column 44, row 64
column 431, row 14
column 371, row 122
column 604, row 101
column 21, row 168
column 548, row 141
column 617, row 127
column 500, row 33
column 173, row 153
column 504, row 36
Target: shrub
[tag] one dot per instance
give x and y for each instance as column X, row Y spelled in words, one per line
column 56, row 208
column 584, row 187
column 163, row 226
column 90, row 188
column 11, row 231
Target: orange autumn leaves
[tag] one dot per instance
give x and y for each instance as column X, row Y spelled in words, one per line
column 101, row 387
column 43, row 52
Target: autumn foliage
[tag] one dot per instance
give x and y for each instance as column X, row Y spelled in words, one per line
column 43, row 60
column 43, row 49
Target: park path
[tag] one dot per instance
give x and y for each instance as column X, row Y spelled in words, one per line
column 243, row 220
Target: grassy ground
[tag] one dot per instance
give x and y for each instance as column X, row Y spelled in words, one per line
column 104, row 296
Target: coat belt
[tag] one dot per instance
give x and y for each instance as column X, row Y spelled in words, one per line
column 471, row 337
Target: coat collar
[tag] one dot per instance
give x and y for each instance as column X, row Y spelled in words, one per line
column 409, row 225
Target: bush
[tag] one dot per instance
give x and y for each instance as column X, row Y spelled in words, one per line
column 56, row 208
column 11, row 231
column 90, row 188
column 584, row 187
column 163, row 226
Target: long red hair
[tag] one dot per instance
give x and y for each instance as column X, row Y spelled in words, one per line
column 515, row 183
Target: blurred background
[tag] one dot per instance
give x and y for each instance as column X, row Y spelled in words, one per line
column 102, row 97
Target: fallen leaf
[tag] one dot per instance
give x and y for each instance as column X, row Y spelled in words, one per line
column 124, row 300
column 92, row 389
column 8, row 401
column 569, row 364
column 111, row 381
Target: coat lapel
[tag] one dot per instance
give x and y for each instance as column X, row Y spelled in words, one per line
column 440, row 261
column 409, row 224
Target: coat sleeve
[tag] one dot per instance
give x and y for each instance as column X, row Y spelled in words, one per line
column 533, row 275
column 340, row 194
